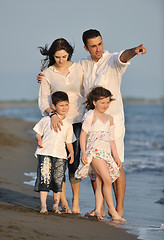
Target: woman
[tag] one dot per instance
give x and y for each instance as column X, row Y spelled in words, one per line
column 67, row 76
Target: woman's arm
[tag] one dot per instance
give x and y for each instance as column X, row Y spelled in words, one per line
column 56, row 122
column 71, row 152
column 45, row 102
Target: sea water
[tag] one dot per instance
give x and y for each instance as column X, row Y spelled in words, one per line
column 144, row 169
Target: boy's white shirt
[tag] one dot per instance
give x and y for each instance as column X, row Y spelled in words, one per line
column 54, row 143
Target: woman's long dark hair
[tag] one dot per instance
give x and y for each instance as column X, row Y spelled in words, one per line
column 57, row 45
column 97, row 93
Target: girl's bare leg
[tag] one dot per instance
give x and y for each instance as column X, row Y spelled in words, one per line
column 98, row 198
column 101, row 168
column 43, row 199
column 56, row 202
column 92, row 213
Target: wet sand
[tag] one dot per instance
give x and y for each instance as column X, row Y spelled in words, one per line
column 19, row 204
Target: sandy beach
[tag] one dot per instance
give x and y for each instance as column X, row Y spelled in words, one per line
column 19, row 204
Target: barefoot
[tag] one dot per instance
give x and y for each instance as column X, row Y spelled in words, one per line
column 120, row 211
column 98, row 215
column 75, row 207
column 120, row 219
column 43, row 209
column 90, row 214
column 56, row 211
column 77, row 211
column 66, row 209
column 116, row 216
column 103, row 213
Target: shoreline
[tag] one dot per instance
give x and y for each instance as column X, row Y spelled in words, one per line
column 126, row 101
column 19, row 204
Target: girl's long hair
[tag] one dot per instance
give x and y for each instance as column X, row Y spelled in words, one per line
column 97, row 93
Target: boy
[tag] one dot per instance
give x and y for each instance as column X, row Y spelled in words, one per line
column 51, row 152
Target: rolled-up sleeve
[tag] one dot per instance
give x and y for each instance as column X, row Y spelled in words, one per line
column 119, row 66
column 44, row 100
column 70, row 135
column 38, row 128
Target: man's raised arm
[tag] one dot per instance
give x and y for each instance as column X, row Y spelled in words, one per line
column 130, row 53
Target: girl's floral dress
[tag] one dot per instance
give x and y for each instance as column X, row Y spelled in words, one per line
column 99, row 135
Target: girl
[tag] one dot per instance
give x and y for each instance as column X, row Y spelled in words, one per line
column 99, row 149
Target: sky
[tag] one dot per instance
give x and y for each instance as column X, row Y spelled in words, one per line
column 27, row 24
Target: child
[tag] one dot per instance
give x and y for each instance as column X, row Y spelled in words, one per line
column 51, row 152
column 99, row 149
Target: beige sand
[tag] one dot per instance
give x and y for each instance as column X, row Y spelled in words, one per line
column 19, row 204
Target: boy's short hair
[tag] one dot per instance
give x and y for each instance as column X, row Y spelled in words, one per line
column 59, row 96
column 91, row 33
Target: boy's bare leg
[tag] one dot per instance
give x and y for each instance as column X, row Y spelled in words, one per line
column 43, row 199
column 56, row 202
column 63, row 199
column 119, row 190
column 75, row 200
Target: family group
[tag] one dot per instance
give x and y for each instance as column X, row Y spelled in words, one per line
column 83, row 124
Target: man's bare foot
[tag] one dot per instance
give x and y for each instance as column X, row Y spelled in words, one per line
column 120, row 211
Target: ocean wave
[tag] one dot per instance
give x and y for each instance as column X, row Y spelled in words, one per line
column 140, row 143
column 146, row 231
column 158, row 146
column 139, row 166
column 30, row 114
column 31, row 175
column 160, row 201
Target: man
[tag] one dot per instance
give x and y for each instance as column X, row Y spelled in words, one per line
column 105, row 69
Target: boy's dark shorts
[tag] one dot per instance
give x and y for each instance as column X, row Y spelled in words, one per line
column 50, row 173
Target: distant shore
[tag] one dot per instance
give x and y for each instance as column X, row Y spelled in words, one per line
column 129, row 100
column 143, row 101
column 17, row 103
column 19, row 204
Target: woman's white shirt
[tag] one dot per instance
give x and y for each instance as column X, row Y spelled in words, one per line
column 72, row 84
